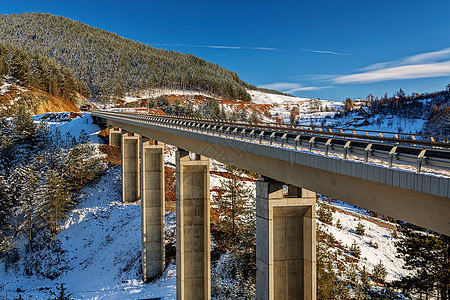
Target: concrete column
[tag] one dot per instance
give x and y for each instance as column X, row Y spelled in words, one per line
column 285, row 242
column 130, row 167
column 115, row 136
column 152, row 210
column 193, row 232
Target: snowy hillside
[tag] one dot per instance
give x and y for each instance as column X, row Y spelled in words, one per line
column 267, row 98
column 100, row 239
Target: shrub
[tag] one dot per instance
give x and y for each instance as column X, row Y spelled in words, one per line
column 338, row 224
column 355, row 250
column 325, row 214
column 360, row 229
column 372, row 244
column 379, row 273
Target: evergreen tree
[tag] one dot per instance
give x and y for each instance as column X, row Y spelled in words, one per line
column 360, row 229
column 379, row 273
column 25, row 183
column 62, row 293
column 81, row 165
column 233, row 207
column 254, row 117
column 427, row 255
column 354, row 250
column 329, row 285
column 23, row 124
column 235, row 230
column 83, row 138
column 325, row 214
column 56, row 199
column 5, row 211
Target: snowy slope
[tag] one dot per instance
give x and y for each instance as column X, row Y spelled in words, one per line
column 384, row 237
column 102, row 239
column 267, row 98
column 75, row 126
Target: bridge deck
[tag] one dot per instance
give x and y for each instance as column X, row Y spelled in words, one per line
column 417, row 198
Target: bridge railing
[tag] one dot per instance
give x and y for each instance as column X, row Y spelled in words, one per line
column 426, row 139
column 336, row 144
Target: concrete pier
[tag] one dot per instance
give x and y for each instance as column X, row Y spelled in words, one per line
column 285, row 242
column 152, row 209
column 130, row 167
column 115, row 136
column 193, row 227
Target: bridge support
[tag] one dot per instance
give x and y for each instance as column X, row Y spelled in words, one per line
column 130, row 167
column 285, row 242
column 152, row 209
column 115, row 136
column 193, row 228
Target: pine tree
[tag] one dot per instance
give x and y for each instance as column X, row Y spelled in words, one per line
column 81, row 165
column 427, row 255
column 360, row 229
column 338, row 224
column 25, row 183
column 325, row 214
column 61, row 294
column 56, row 199
column 5, row 210
column 329, row 285
column 233, row 207
column 235, row 230
column 379, row 273
column 354, row 250
column 254, row 117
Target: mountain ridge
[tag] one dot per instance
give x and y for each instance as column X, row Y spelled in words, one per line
column 111, row 65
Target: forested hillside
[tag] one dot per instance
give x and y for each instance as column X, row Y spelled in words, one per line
column 111, row 65
column 35, row 70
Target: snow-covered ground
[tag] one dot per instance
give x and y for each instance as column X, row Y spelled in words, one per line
column 5, row 87
column 102, row 239
column 267, row 98
column 383, row 237
column 145, row 94
column 74, row 127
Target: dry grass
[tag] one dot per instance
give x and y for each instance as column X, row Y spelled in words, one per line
column 113, row 154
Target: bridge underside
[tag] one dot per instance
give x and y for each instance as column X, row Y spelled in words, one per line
column 394, row 193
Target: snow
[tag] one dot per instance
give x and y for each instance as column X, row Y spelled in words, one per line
column 102, row 235
column 374, row 233
column 145, row 94
column 102, row 239
column 7, row 85
column 75, row 126
column 259, row 97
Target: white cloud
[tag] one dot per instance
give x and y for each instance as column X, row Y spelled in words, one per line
column 317, row 77
column 308, row 88
column 324, row 52
column 219, row 47
column 411, row 71
column 264, row 48
column 423, row 58
column 289, row 87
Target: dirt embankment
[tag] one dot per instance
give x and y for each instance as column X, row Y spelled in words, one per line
column 36, row 101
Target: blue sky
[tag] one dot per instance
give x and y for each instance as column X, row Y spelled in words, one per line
column 328, row 49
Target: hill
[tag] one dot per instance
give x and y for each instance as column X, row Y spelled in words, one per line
column 34, row 70
column 111, row 65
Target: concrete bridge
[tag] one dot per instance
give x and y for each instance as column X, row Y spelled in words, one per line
column 285, row 234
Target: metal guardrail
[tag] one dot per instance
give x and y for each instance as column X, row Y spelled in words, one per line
column 421, row 139
column 430, row 152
